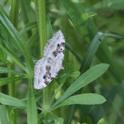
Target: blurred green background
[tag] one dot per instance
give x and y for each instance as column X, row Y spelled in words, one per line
column 94, row 33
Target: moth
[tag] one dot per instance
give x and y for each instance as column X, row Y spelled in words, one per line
column 48, row 67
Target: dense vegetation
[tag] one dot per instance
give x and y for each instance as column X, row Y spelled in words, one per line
column 90, row 88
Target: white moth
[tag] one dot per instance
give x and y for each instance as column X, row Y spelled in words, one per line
column 47, row 68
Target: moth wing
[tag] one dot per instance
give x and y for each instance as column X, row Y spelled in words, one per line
column 57, row 65
column 39, row 71
column 55, row 62
column 51, row 46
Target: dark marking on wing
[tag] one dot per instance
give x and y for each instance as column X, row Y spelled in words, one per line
column 55, row 53
column 44, row 77
column 48, row 68
column 49, row 60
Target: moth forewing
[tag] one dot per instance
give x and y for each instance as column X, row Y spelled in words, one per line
column 39, row 72
column 53, row 43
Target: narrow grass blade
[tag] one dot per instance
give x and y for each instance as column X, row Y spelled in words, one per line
column 14, row 58
column 17, row 40
column 25, row 7
column 10, row 28
column 11, row 101
column 114, row 35
column 93, row 47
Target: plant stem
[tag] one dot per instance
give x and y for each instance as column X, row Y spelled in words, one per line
column 43, row 38
column 42, row 24
column 11, row 92
column 11, row 85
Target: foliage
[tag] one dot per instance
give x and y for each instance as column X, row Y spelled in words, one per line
column 93, row 33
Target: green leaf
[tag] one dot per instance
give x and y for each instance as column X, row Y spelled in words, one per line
column 84, row 99
column 90, row 75
column 3, row 115
column 11, row 101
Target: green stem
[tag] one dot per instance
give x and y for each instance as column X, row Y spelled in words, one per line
column 11, row 92
column 11, row 85
column 42, row 24
column 43, row 38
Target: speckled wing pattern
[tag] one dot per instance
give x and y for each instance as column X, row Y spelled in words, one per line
column 47, row 68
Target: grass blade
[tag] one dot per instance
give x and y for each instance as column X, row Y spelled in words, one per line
column 14, row 58
column 95, row 43
column 10, row 28
column 11, row 101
